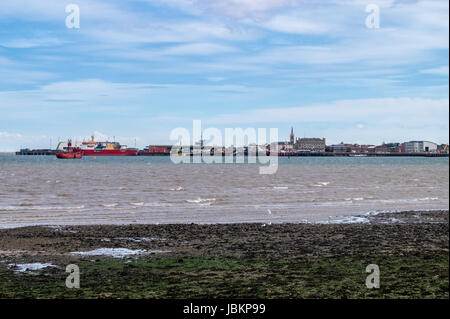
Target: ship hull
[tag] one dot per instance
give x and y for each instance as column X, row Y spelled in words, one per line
column 109, row 153
column 69, row 155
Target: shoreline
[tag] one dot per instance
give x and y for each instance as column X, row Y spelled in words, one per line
column 373, row 216
column 60, row 240
column 230, row 260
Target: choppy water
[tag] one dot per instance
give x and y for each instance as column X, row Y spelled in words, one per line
column 116, row 190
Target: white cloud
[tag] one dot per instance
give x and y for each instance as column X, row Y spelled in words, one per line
column 198, row 49
column 256, row 42
column 31, row 43
column 230, row 8
column 13, row 72
column 409, row 32
column 215, row 79
column 94, row 96
column 74, row 97
column 9, row 135
column 54, row 11
column 294, row 25
column 242, row 8
column 384, row 119
column 384, row 111
column 5, row 62
column 182, row 31
column 443, row 70
column 11, row 142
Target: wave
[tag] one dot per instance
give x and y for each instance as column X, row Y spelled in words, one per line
column 137, row 204
column 407, row 200
column 346, row 220
column 366, row 217
column 200, row 200
column 110, row 205
column 178, row 189
column 428, row 198
column 158, row 204
column 25, row 204
column 320, row 184
column 28, row 207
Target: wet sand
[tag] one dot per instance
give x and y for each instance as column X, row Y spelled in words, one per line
column 384, row 234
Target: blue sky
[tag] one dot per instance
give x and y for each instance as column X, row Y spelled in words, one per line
column 138, row 69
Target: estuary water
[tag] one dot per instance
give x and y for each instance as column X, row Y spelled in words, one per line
column 43, row 190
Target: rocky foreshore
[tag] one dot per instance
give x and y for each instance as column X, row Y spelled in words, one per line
column 386, row 233
column 409, row 234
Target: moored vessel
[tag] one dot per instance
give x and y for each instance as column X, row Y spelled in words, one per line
column 94, row 148
column 70, row 152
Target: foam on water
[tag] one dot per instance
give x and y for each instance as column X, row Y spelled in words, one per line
column 178, row 189
column 366, row 217
column 117, row 252
column 200, row 200
column 110, row 205
column 137, row 204
column 346, row 220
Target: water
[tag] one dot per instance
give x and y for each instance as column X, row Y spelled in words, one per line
column 42, row 190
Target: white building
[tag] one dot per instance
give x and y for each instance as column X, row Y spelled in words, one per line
column 420, row 146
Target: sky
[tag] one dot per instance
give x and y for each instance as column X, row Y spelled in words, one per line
column 136, row 70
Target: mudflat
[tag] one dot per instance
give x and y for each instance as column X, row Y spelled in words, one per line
column 233, row 260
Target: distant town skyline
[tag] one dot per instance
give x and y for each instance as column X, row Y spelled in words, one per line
column 138, row 69
column 294, row 142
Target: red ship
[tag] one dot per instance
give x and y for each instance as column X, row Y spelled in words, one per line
column 70, row 152
column 93, row 148
column 103, row 152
